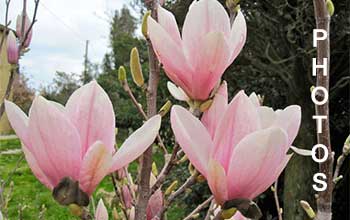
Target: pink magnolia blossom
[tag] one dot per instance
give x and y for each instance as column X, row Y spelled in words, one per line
column 101, row 211
column 12, row 49
column 196, row 60
column 76, row 140
column 240, row 147
column 26, row 27
column 155, row 204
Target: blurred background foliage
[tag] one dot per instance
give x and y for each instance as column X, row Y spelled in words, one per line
column 275, row 62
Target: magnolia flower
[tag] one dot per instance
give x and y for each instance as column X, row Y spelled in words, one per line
column 12, row 49
column 101, row 211
column 76, row 140
column 25, row 29
column 241, row 147
column 196, row 60
column 155, row 204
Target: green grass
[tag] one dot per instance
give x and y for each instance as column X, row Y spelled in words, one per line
column 30, row 195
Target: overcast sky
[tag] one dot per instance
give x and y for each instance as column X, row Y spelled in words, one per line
column 59, row 35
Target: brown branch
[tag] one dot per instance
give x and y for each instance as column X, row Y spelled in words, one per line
column 146, row 166
column 199, row 208
column 210, row 210
column 166, row 169
column 188, row 183
column 275, row 195
column 324, row 201
column 340, row 160
column 8, row 89
column 31, row 25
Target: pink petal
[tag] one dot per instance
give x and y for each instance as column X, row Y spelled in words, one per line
column 204, row 16
column 213, row 115
column 101, row 211
column 240, row 119
column 267, row 116
column 167, row 20
column 254, row 160
column 91, row 111
column 170, row 55
column 137, row 143
column 271, row 176
column 192, row 136
column 18, row 120
column 238, row 35
column 210, row 61
column 55, row 141
column 12, row 49
column 155, row 204
column 217, row 181
column 254, row 99
column 95, row 166
column 289, row 119
column 177, row 92
column 37, row 171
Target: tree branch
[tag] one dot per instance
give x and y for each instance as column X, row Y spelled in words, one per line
column 199, row 208
column 324, row 201
column 146, row 166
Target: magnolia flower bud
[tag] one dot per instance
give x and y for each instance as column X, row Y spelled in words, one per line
column 307, row 208
column 171, row 188
column 144, row 27
column 19, row 28
column 330, row 7
column 135, row 67
column 154, row 169
column 121, row 74
column 12, row 49
column 165, row 108
column 127, row 199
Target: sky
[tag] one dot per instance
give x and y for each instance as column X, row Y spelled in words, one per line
column 59, row 36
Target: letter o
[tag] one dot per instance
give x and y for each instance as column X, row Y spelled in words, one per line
column 314, row 152
column 325, row 97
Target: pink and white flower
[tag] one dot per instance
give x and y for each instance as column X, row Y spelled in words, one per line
column 196, row 60
column 240, row 147
column 76, row 140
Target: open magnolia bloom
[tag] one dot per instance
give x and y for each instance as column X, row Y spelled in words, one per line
column 196, row 60
column 75, row 143
column 240, row 147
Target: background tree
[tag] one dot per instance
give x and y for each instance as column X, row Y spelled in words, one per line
column 63, row 85
column 22, row 94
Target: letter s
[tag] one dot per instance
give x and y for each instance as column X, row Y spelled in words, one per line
column 318, row 179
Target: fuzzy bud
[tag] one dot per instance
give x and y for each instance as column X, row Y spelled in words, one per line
column 307, row 208
column 165, row 108
column 154, row 169
column 135, row 66
column 144, row 26
column 121, row 74
column 330, row 7
column 171, row 188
